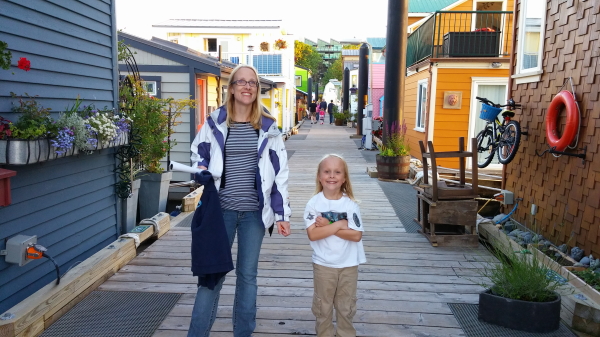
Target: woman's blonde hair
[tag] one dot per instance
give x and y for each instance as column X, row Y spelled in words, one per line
column 346, row 187
column 257, row 109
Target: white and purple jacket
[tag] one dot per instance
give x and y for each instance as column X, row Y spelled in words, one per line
column 272, row 174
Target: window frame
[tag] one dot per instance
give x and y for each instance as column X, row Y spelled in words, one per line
column 421, row 110
column 296, row 78
column 157, row 80
column 530, row 74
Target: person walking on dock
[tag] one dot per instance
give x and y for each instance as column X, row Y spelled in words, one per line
column 252, row 190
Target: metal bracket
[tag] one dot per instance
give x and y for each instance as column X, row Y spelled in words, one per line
column 560, row 153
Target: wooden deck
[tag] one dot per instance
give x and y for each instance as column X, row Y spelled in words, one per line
column 403, row 288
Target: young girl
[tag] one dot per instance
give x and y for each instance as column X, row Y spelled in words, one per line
column 322, row 116
column 334, row 228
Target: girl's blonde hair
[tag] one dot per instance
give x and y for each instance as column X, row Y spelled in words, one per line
column 346, row 187
column 257, row 109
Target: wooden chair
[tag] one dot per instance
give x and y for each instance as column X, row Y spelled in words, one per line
column 446, row 212
column 440, row 190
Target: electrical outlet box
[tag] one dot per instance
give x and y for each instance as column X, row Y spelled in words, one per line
column 16, row 249
column 508, row 197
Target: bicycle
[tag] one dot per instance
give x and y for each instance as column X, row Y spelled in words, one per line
column 501, row 136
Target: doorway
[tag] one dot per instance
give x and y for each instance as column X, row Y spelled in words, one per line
column 494, row 89
column 200, row 103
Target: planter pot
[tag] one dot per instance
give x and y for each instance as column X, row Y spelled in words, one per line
column 338, row 122
column 393, row 168
column 122, row 139
column 129, row 207
column 154, row 190
column 519, row 315
column 23, row 152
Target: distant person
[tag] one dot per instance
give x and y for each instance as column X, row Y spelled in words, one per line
column 312, row 109
column 330, row 111
column 334, row 227
column 323, row 104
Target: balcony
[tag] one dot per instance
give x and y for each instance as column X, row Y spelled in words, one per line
column 461, row 34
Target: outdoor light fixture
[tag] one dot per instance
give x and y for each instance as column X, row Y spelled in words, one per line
column 250, row 48
column 496, row 64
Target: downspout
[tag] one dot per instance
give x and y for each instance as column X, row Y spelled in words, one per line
column 218, row 89
column 511, row 70
column 427, row 115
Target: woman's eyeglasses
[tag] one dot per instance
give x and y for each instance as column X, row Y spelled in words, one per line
column 242, row 83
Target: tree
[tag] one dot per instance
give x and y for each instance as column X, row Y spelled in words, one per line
column 336, row 71
column 307, row 56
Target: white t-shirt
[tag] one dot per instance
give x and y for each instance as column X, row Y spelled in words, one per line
column 333, row 251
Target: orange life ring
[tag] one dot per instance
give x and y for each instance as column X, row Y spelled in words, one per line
column 562, row 99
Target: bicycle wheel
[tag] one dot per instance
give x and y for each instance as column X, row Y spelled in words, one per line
column 485, row 147
column 509, row 142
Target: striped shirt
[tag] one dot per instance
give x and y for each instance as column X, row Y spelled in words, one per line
column 241, row 161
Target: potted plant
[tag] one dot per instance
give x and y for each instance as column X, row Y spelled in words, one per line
column 520, row 293
column 28, row 140
column 264, row 46
column 340, row 117
column 280, row 44
column 393, row 160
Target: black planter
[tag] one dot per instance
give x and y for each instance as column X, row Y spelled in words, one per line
column 519, row 315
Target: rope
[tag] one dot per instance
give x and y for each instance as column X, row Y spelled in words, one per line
column 133, row 236
column 152, row 222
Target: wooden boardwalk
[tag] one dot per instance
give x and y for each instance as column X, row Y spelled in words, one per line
column 403, row 288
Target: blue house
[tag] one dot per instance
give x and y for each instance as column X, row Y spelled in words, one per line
column 68, row 203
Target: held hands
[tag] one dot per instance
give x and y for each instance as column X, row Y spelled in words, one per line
column 283, row 228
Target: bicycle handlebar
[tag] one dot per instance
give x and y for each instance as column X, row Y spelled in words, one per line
column 511, row 103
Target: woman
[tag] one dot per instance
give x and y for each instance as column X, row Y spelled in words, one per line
column 241, row 146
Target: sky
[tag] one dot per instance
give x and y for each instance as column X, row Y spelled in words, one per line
column 324, row 19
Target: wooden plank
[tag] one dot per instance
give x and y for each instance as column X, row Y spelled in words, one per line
column 191, row 200
column 162, row 219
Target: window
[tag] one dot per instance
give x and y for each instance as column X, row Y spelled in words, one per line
column 298, row 80
column 150, row 87
column 211, row 45
column 531, row 35
column 421, row 105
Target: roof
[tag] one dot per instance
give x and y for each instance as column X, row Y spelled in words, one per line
column 350, row 52
column 185, row 49
column 376, row 42
column 173, row 51
column 210, row 23
column 428, row 6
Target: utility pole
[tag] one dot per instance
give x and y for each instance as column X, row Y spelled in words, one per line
column 309, row 90
column 346, row 92
column 363, row 85
column 395, row 67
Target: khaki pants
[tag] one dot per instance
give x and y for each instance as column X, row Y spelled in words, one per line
column 334, row 287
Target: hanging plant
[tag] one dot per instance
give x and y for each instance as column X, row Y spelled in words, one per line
column 264, row 46
column 280, row 44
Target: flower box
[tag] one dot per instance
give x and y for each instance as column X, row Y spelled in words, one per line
column 122, row 139
column 23, row 152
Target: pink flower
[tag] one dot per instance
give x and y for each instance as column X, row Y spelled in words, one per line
column 24, row 64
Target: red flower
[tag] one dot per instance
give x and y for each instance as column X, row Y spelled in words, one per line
column 24, row 64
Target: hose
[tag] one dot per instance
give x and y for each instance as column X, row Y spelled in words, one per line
column 55, row 266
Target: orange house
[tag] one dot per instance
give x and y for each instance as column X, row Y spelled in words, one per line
column 454, row 55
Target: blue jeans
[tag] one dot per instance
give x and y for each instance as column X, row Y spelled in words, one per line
column 331, row 118
column 251, row 231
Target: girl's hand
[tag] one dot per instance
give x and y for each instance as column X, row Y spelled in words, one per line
column 343, row 224
column 283, row 227
column 321, row 221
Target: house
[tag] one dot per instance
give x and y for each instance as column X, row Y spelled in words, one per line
column 460, row 51
column 68, row 203
column 376, row 74
column 301, row 81
column 557, row 48
column 180, row 72
column 261, row 43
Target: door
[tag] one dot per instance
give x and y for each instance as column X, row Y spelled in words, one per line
column 494, row 89
column 200, row 103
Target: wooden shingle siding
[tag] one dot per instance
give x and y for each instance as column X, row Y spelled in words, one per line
column 68, row 203
column 566, row 191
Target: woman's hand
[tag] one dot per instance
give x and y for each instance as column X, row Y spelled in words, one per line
column 283, row 227
column 202, row 167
